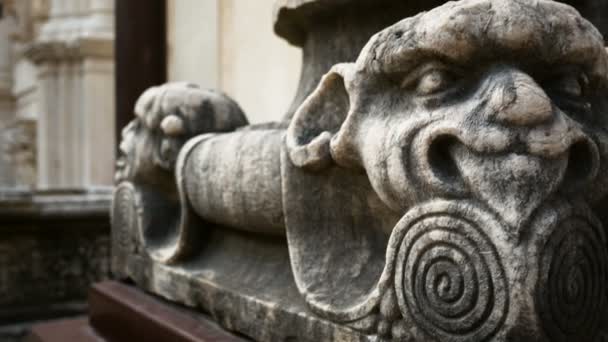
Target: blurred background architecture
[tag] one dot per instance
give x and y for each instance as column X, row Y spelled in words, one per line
column 58, row 125
column 56, row 155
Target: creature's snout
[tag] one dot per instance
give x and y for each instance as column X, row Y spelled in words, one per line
column 521, row 150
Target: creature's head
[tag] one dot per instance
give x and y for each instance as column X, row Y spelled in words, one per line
column 165, row 118
column 504, row 101
column 482, row 123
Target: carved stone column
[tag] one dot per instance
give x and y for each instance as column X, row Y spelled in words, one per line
column 8, row 122
column 73, row 55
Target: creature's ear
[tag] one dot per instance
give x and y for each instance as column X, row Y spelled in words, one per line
column 318, row 118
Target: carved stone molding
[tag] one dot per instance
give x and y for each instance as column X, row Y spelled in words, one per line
column 28, row 15
column 40, row 52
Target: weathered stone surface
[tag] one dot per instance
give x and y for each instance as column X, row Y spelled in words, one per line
column 53, row 247
column 439, row 188
column 18, row 154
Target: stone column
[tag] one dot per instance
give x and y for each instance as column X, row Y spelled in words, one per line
column 8, row 128
column 19, row 111
column 74, row 56
column 100, row 20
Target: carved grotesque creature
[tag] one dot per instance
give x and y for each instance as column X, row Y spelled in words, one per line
column 165, row 117
column 442, row 183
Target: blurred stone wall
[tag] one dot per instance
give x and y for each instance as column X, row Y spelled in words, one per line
column 56, row 156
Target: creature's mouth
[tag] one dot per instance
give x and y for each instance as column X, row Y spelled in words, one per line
column 441, row 160
column 514, row 181
column 446, row 152
column 583, row 165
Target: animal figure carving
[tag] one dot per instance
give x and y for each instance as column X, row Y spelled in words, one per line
column 442, row 183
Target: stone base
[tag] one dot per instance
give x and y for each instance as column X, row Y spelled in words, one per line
column 121, row 313
column 243, row 281
column 53, row 246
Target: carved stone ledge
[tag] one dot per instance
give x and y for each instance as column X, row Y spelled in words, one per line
column 53, row 51
column 254, row 296
column 18, row 205
column 53, row 247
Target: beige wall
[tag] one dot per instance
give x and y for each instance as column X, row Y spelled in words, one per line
column 230, row 45
column 192, row 41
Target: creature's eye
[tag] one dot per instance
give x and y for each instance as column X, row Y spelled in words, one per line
column 430, row 79
column 571, row 84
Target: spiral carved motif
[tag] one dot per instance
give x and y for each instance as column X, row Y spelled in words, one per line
column 573, row 268
column 452, row 282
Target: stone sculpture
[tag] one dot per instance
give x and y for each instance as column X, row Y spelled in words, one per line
column 446, row 186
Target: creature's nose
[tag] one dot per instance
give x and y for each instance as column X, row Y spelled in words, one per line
column 519, row 100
